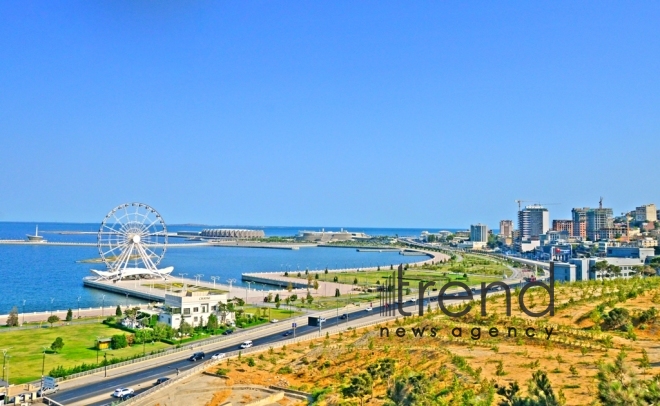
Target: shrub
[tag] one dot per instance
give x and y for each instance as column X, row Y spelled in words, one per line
column 221, row 372
column 285, row 370
column 118, row 341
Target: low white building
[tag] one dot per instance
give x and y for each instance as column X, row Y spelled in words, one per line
column 193, row 308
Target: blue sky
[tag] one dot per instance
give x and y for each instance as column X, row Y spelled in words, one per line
column 392, row 114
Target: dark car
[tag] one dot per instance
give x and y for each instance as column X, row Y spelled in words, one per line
column 128, row 396
column 344, row 316
column 287, row 333
column 197, row 356
column 161, row 380
column 227, row 332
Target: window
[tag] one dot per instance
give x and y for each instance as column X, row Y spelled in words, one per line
column 195, row 309
column 186, row 310
column 195, row 318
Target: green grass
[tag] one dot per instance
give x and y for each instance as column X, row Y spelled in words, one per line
column 26, row 348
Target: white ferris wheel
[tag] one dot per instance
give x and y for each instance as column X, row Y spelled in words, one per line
column 132, row 241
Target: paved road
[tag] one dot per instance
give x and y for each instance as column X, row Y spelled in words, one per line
column 98, row 393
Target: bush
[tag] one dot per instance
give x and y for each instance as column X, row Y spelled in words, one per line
column 118, row 341
column 251, row 362
column 285, row 370
column 222, row 372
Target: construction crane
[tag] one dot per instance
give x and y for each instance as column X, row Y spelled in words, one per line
column 521, row 201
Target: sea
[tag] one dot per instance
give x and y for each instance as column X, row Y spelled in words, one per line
column 49, row 277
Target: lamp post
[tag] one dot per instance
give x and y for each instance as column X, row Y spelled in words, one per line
column 79, row 306
column 97, row 349
column 4, row 361
column 23, row 311
column 43, row 367
column 105, row 361
column 102, row 305
column 52, row 299
column 246, row 292
column 230, row 281
column 182, row 275
column 198, row 277
column 213, row 278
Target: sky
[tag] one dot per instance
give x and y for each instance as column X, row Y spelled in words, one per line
column 328, row 113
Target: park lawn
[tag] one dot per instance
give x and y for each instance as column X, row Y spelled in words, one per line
column 26, row 348
column 282, row 313
column 412, row 275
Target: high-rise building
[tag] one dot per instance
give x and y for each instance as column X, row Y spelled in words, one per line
column 533, row 221
column 579, row 216
column 648, row 212
column 563, row 225
column 506, row 228
column 597, row 219
column 479, row 233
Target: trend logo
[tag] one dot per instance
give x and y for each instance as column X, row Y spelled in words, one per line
column 391, row 300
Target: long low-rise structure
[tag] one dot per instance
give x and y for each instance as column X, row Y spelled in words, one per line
column 232, row 233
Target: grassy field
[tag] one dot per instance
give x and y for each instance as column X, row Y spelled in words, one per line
column 26, row 348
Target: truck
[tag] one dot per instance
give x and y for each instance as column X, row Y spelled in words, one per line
column 48, row 387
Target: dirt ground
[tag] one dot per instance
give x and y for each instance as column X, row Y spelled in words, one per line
column 570, row 357
column 201, row 389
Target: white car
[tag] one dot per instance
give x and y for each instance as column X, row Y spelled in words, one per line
column 246, row 344
column 369, row 309
column 219, row 355
column 122, row 392
column 274, row 320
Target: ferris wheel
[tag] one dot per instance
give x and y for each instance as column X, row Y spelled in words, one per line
column 132, row 241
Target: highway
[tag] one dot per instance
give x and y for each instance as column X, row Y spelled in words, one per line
column 98, row 393
column 144, row 379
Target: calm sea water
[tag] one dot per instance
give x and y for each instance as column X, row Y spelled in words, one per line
column 45, row 276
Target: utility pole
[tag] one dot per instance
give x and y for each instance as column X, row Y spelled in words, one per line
column 4, row 362
column 78, row 306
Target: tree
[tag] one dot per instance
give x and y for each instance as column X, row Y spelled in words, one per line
column 326, row 270
column 69, row 315
column 316, row 286
column 185, row 328
column 409, row 390
column 645, row 362
column 212, row 323
column 118, row 311
column 289, row 287
column 337, row 294
column 540, row 391
column 355, row 281
column 57, row 345
column 309, row 298
column 12, row 319
column 118, row 341
column 359, row 387
column 53, row 319
column 277, row 297
column 316, row 276
column 239, row 301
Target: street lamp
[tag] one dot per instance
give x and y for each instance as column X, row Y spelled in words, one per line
column 4, row 361
column 51, row 305
column 105, row 361
column 213, row 278
column 182, row 275
column 43, row 366
column 23, row 311
column 230, row 281
column 198, row 277
column 78, row 306
column 102, row 305
column 246, row 292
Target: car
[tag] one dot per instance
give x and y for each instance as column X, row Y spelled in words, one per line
column 47, row 391
column 246, row 344
column 411, row 300
column 227, row 332
column 344, row 316
column 287, row 333
column 274, row 320
column 121, row 392
column 128, row 396
column 219, row 355
column 161, row 380
column 369, row 309
column 197, row 356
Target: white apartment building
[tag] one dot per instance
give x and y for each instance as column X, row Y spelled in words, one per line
column 533, row 221
column 646, row 242
column 193, row 308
